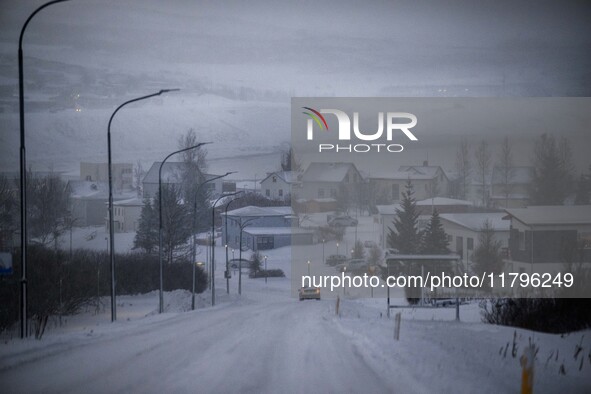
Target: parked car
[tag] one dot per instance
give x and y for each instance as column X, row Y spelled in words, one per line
column 235, row 263
column 335, row 259
column 342, row 221
column 309, row 293
column 353, row 265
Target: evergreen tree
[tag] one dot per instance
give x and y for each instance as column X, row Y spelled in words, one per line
column 176, row 223
column 487, row 256
column 552, row 175
column 434, row 237
column 405, row 236
column 435, row 241
column 146, row 237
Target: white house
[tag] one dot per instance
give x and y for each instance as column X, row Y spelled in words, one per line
column 278, row 185
column 88, row 202
column 99, row 172
column 428, row 181
column 126, row 215
column 322, row 180
column 463, row 231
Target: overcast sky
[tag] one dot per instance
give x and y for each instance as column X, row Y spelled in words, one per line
column 107, row 51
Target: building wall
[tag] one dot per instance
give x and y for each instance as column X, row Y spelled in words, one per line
column 99, row 172
column 234, row 227
column 275, row 190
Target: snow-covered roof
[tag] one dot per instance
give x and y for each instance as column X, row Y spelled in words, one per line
column 130, row 202
column 289, row 177
column 554, row 214
column 252, row 211
column 443, row 201
column 88, row 189
column 276, row 230
column 399, row 175
column 327, row 172
column 517, row 175
column 475, row 221
column 387, row 209
column 430, row 171
column 171, row 172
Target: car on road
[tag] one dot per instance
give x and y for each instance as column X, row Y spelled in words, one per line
column 342, row 221
column 335, row 259
column 309, row 293
column 235, row 263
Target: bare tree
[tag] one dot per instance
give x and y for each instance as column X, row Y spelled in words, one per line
column 138, row 176
column 482, row 156
column 48, row 202
column 506, row 171
column 463, row 168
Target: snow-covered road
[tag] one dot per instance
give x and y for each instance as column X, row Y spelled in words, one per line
column 273, row 345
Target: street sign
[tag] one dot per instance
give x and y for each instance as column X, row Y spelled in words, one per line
column 6, row 264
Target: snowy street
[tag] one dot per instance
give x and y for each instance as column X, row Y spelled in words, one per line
column 266, row 341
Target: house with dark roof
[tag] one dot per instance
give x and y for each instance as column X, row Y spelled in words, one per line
column 329, row 180
column 509, row 186
column 172, row 174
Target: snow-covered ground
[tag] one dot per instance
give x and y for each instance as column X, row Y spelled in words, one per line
column 267, row 341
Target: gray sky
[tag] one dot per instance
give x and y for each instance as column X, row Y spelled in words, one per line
column 95, row 54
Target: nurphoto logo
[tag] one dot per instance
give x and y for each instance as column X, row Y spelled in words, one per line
column 393, row 124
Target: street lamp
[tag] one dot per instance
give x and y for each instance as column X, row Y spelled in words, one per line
column 23, row 173
column 213, row 245
column 194, row 230
column 308, row 267
column 337, row 248
column 226, row 242
column 242, row 225
column 161, row 296
column 111, row 221
column 266, row 273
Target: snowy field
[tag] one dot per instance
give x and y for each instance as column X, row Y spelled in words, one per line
column 267, row 341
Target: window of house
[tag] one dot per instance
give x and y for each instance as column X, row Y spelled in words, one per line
column 395, row 192
column 333, row 193
column 321, row 193
column 450, row 238
column 459, row 243
column 470, row 243
column 267, row 192
column 274, row 179
column 280, row 192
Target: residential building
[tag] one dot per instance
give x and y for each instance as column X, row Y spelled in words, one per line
column 463, row 232
column 126, row 215
column 544, row 238
column 428, row 181
column 330, row 180
column 509, row 187
column 122, row 174
column 172, row 174
column 263, row 228
column 88, row 202
column 387, row 213
column 278, row 185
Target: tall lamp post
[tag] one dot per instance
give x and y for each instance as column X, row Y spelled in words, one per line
column 23, row 174
column 226, row 242
column 194, row 229
column 213, row 245
column 242, row 225
column 161, row 296
column 111, row 221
